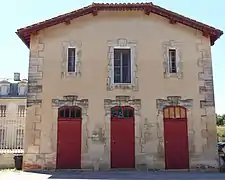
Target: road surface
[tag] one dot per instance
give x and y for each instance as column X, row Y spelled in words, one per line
column 112, row 175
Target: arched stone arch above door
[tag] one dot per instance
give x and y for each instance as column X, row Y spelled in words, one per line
column 71, row 100
column 173, row 101
column 122, row 101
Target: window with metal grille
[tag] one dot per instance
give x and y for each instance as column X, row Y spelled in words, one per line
column 2, row 138
column 122, row 65
column 2, row 110
column 71, row 60
column 172, row 61
column 21, row 110
column 19, row 138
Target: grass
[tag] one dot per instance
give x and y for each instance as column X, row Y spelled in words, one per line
column 9, row 170
column 221, row 133
column 221, row 130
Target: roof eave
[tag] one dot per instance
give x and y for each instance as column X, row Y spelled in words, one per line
column 22, row 39
column 24, row 33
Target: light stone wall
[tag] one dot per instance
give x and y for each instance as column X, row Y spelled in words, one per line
column 7, row 161
column 12, row 121
column 152, row 88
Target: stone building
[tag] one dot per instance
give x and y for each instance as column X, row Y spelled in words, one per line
column 12, row 119
column 120, row 86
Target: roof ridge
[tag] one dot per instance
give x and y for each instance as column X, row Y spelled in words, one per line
column 138, row 3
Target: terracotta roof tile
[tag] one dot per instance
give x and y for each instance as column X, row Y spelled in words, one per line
column 24, row 33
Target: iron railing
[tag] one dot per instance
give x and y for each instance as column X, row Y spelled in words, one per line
column 11, row 135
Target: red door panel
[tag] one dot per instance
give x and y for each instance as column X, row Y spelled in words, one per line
column 69, row 143
column 176, row 143
column 122, row 143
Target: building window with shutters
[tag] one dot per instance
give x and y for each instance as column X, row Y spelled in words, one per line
column 21, row 110
column 21, row 90
column 2, row 110
column 71, row 60
column 4, row 90
column 122, row 66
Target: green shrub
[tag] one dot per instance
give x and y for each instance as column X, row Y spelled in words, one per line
column 221, row 133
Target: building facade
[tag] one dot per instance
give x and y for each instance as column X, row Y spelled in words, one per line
column 12, row 115
column 120, row 86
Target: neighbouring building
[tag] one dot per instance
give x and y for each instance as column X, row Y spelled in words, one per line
column 12, row 118
column 120, row 86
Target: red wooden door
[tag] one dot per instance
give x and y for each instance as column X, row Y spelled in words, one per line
column 122, row 137
column 69, row 138
column 176, row 138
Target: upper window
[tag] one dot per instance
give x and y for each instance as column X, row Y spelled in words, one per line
column 71, row 59
column 2, row 110
column 22, row 90
column 172, row 61
column 122, row 66
column 21, row 110
column 4, row 90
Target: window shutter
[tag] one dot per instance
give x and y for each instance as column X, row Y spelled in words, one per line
column 168, row 63
column 4, row 90
column 178, row 63
column 22, row 90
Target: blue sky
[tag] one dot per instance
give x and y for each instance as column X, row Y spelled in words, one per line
column 15, row 14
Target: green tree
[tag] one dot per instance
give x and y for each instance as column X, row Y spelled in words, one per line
column 220, row 120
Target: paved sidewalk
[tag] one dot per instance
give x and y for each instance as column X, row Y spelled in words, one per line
column 113, row 175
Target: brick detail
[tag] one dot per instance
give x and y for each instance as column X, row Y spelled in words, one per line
column 39, row 161
column 173, row 101
column 27, row 166
column 122, row 100
column 207, row 107
column 37, row 110
column 37, row 134
column 37, row 126
column 34, row 149
column 205, row 76
column 71, row 100
column 35, row 74
column 34, row 102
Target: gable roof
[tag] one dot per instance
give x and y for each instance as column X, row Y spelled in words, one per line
column 25, row 33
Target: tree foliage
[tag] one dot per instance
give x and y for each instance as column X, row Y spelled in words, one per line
column 220, row 120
